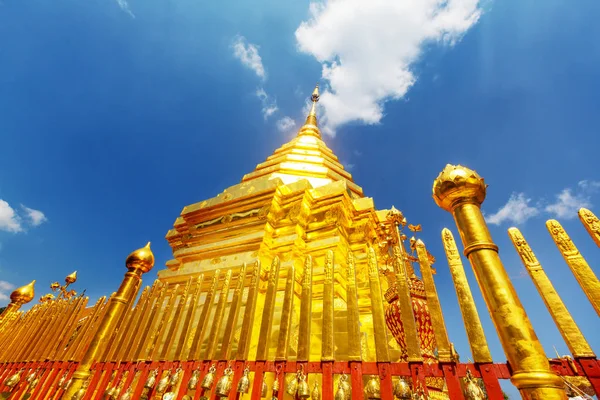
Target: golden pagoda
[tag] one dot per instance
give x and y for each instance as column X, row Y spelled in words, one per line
column 292, row 285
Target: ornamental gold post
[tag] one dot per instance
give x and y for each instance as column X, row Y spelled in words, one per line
column 581, row 270
column 461, row 191
column 591, row 224
column 380, row 330
column 20, row 296
column 138, row 263
column 327, row 347
column 569, row 330
column 477, row 341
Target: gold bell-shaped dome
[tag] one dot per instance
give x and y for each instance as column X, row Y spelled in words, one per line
column 23, row 294
column 141, row 259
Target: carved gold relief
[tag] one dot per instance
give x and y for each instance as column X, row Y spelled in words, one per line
column 591, row 224
column 562, row 240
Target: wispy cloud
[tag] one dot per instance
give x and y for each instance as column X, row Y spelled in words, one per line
column 269, row 105
column 285, row 124
column 590, row 186
column 5, row 290
column 125, row 7
column 35, row 217
column 348, row 166
column 11, row 221
column 517, row 210
column 564, row 205
column 367, row 49
column 247, row 53
column 567, row 204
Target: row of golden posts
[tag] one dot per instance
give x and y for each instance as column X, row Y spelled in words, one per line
column 65, row 350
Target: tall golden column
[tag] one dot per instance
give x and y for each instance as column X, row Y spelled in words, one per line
column 461, row 191
column 20, row 296
column 138, row 263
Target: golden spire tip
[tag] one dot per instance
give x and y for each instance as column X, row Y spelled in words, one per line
column 315, row 94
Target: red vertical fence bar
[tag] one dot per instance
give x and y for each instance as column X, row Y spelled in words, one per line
column 387, row 387
column 491, row 382
column 188, row 369
column 452, row 381
column 259, row 368
column 238, row 372
column 327, row 368
column 591, row 370
column 356, row 379
column 139, row 387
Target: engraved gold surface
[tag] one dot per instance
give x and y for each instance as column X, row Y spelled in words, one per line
column 354, row 353
column 461, row 191
column 381, row 342
column 475, row 334
column 581, row 270
column 569, row 330
column 591, row 223
column 269, row 308
column 305, row 311
column 327, row 348
column 285, row 323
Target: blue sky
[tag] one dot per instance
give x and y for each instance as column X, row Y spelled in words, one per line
column 115, row 115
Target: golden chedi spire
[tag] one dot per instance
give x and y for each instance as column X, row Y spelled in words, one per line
column 306, row 157
column 23, row 294
column 311, row 127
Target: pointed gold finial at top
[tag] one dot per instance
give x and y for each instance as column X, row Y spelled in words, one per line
column 24, row 294
column 141, row 259
column 311, row 126
column 71, row 278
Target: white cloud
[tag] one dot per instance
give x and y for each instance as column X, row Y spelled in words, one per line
column 5, row 290
column 285, row 124
column 269, row 105
column 35, row 217
column 567, row 204
column 247, row 53
column 367, row 49
column 517, row 210
column 588, row 186
column 9, row 220
column 125, row 7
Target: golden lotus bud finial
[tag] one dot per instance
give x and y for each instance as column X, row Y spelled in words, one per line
column 71, row 278
column 23, row 294
column 457, row 184
column 141, row 259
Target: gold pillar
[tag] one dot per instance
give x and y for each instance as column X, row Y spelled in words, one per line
column 461, row 191
column 477, row 340
column 569, row 330
column 138, row 262
column 19, row 297
column 583, row 273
